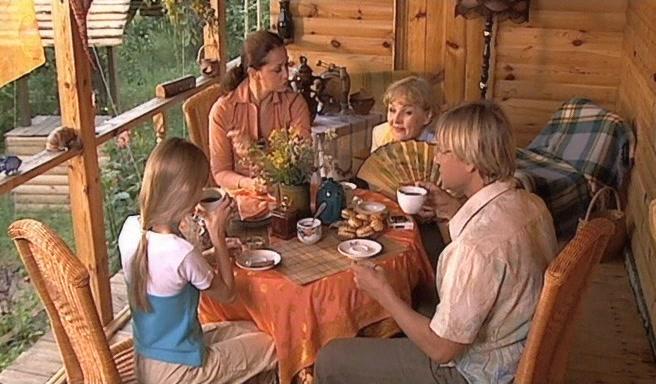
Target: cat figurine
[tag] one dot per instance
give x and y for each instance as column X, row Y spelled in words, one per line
column 63, row 139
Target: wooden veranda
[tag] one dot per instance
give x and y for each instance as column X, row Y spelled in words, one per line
column 603, row 50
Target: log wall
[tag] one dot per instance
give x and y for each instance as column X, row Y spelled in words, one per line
column 568, row 48
column 106, row 22
column 636, row 101
column 357, row 34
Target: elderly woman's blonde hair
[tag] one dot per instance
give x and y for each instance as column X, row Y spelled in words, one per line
column 479, row 134
column 415, row 90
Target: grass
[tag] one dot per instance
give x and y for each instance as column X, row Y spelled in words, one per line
column 61, row 220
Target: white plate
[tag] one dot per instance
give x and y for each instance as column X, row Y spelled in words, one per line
column 258, row 256
column 370, row 207
column 359, row 248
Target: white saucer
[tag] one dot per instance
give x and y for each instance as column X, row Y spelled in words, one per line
column 370, row 207
column 269, row 257
column 359, row 248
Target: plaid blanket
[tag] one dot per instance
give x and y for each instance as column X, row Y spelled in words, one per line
column 596, row 142
column 563, row 189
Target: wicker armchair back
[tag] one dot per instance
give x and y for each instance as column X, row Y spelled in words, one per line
column 544, row 359
column 62, row 282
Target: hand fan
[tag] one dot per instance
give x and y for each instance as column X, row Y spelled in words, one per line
column 399, row 163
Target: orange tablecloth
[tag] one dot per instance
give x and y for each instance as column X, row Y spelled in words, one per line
column 301, row 319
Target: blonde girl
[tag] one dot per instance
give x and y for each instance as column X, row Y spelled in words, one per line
column 165, row 274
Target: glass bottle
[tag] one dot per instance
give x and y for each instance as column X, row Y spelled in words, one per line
column 315, row 184
column 285, row 23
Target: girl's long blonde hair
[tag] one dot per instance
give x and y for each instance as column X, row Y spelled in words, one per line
column 176, row 172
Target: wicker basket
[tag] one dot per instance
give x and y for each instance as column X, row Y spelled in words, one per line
column 617, row 216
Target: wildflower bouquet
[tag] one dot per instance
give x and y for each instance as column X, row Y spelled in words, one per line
column 286, row 158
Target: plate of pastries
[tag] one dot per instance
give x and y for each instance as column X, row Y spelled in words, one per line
column 360, row 225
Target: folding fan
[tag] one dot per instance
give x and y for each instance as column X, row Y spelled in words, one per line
column 399, row 163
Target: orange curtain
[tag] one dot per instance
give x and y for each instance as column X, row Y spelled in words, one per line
column 20, row 44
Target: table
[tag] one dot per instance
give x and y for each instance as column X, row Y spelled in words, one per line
column 303, row 318
column 353, row 136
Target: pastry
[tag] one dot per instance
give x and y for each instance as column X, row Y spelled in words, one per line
column 362, row 216
column 346, row 232
column 354, row 223
column 347, row 213
column 364, row 231
column 377, row 216
column 377, row 225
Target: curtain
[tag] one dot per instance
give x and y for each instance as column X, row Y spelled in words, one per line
column 20, row 43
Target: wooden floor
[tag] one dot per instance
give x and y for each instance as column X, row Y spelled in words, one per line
column 610, row 345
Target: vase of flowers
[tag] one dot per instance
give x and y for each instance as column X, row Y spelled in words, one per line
column 286, row 160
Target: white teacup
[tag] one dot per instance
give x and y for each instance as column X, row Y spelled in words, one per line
column 411, row 198
column 308, row 230
column 211, row 198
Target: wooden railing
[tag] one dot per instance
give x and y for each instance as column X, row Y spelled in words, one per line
column 43, row 161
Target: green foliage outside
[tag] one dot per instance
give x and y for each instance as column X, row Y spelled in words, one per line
column 153, row 51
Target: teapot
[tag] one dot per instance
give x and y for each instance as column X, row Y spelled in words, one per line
column 332, row 193
column 308, row 85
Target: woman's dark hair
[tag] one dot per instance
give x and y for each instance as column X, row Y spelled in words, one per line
column 257, row 45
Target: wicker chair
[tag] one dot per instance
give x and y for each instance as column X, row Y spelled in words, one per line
column 197, row 111
column 63, row 285
column 544, row 359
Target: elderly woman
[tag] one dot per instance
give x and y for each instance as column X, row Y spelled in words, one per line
column 410, row 113
column 258, row 100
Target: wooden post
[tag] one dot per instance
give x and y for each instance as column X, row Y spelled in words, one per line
column 23, row 96
column 258, row 10
column 74, row 83
column 216, row 43
column 113, row 81
column 399, row 56
column 246, row 26
column 159, row 124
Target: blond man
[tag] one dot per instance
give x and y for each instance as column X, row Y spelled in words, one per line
column 488, row 278
column 411, row 113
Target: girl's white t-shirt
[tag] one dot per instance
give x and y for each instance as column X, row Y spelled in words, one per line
column 172, row 261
